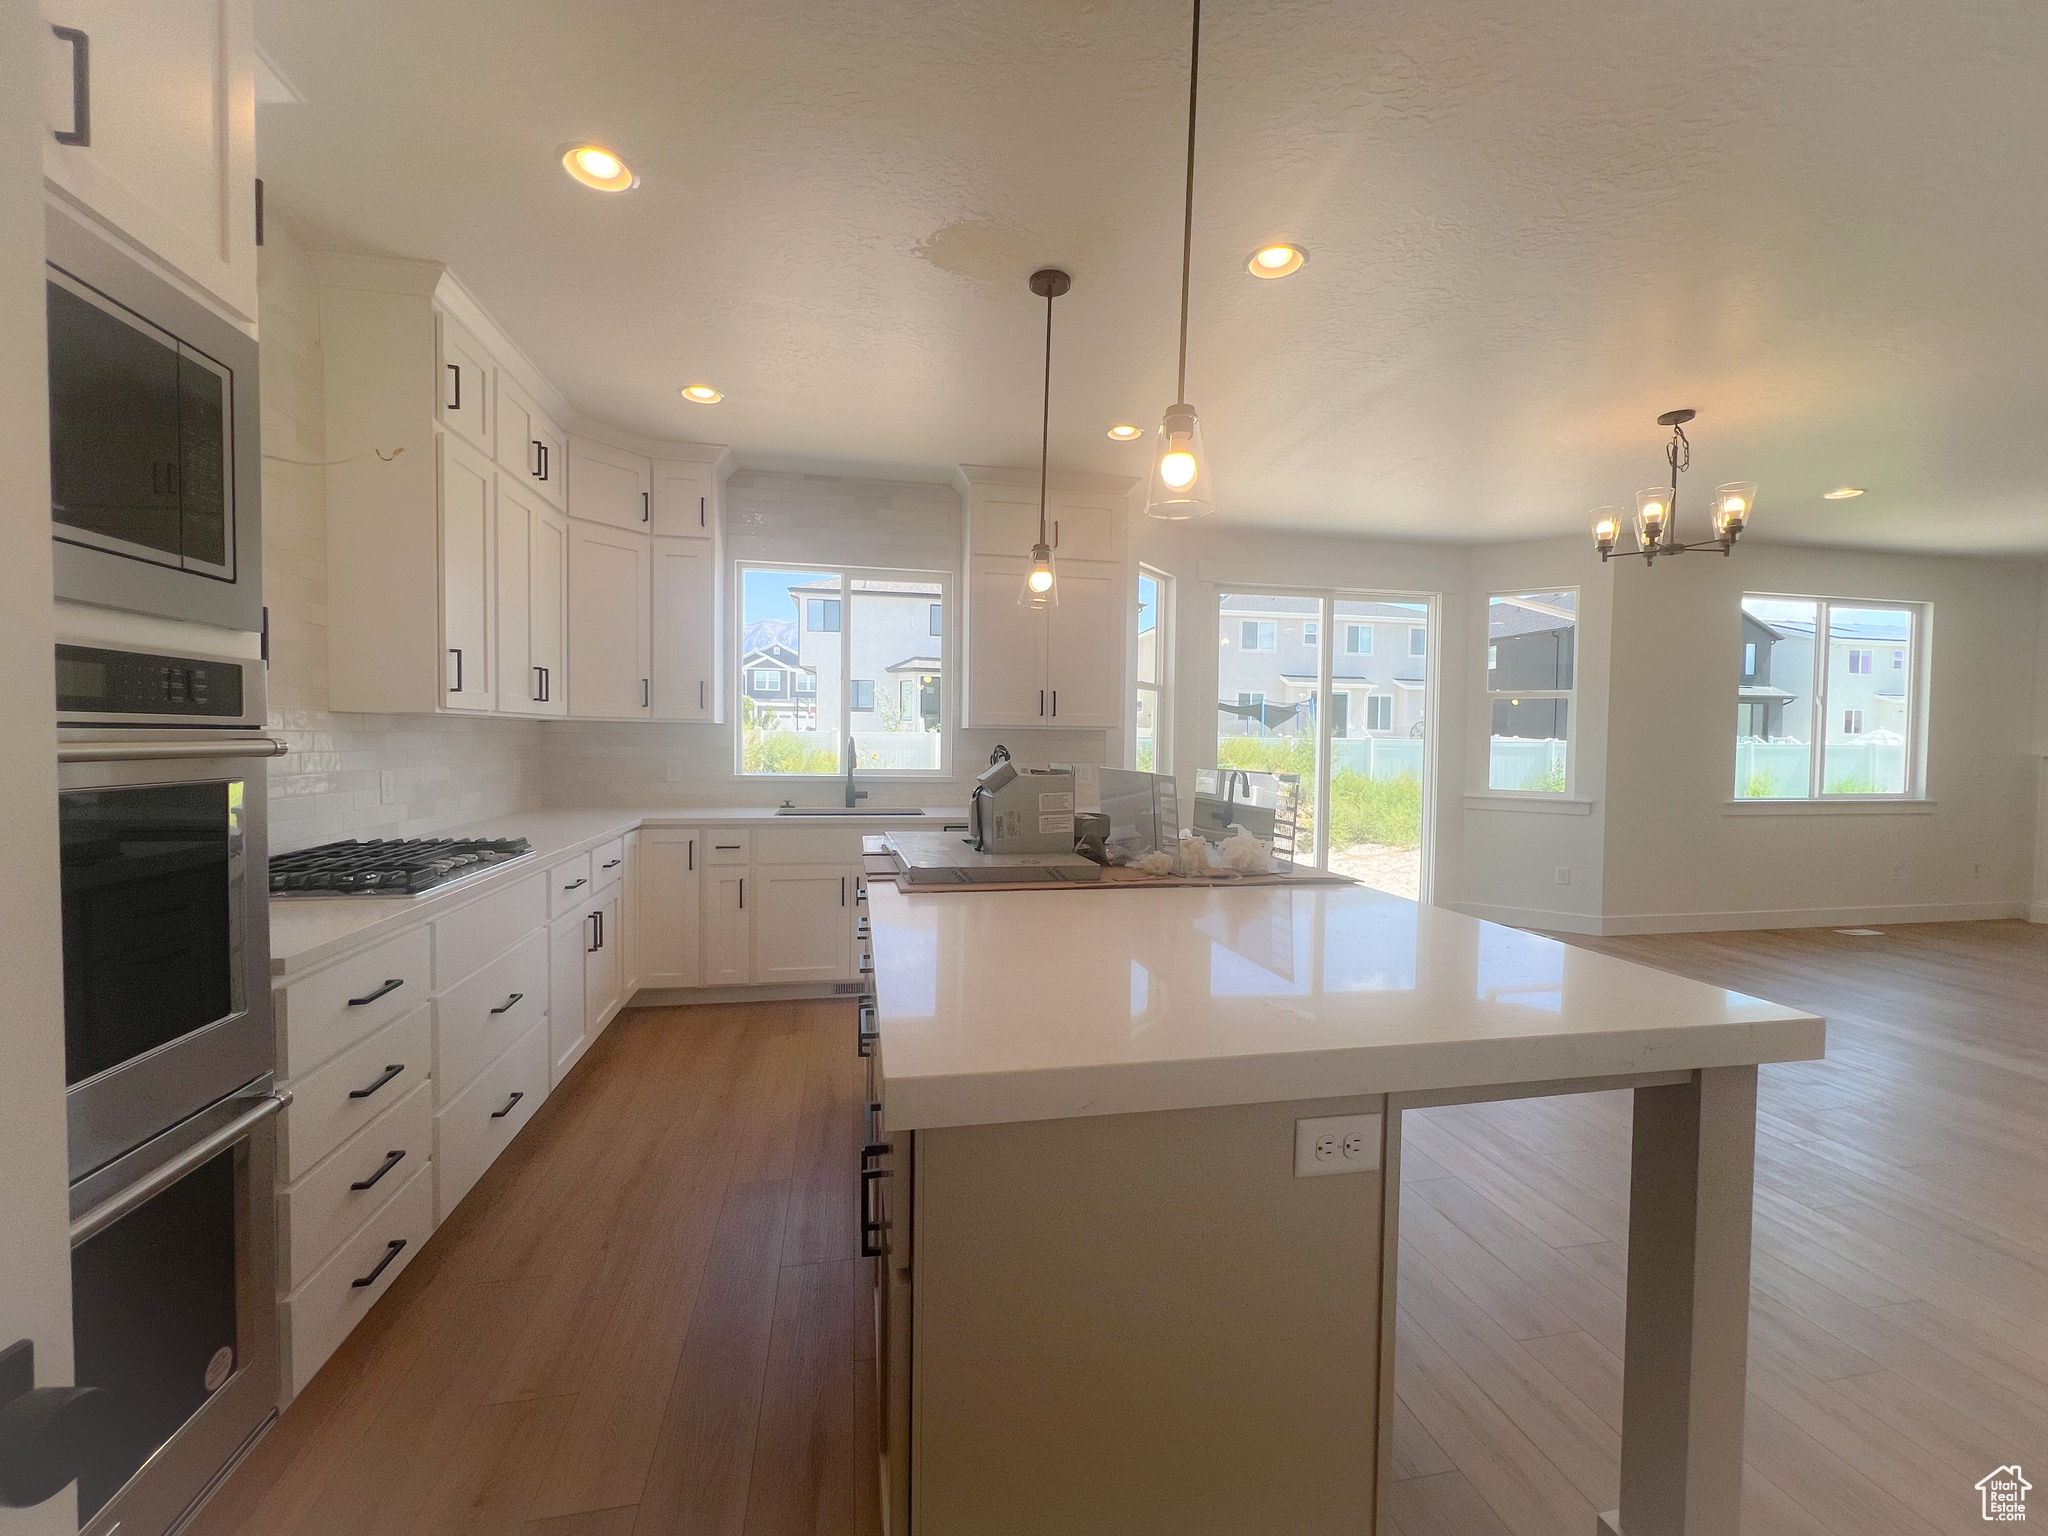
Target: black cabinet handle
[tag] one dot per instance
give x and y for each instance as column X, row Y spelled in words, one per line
column 391, row 1251
column 510, row 1003
column 49, row 1436
column 510, row 1105
column 700, row 695
column 456, row 369
column 1041, row 703
column 389, row 1073
column 540, row 452
column 540, row 685
column 866, row 1032
column 613, row 864
column 643, row 506
column 596, row 921
column 743, row 894
column 370, row 997
column 574, row 883
column 842, row 890
column 702, row 516
column 391, row 1160
column 874, row 1122
column 456, row 652
column 80, row 133
column 692, row 853
column 870, row 1224
column 1055, row 703
column 547, row 686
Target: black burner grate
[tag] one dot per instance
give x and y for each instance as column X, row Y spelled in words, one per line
column 387, row 866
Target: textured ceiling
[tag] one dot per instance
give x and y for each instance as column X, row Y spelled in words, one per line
column 1532, row 227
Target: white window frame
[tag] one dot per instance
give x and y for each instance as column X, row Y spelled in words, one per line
column 1258, row 630
column 768, row 680
column 848, row 575
column 1418, row 640
column 1379, row 704
column 1309, row 632
column 806, row 682
column 1916, row 657
column 1160, row 686
column 1356, row 628
column 1569, row 695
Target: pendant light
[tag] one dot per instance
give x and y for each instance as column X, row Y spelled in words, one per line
column 1181, row 486
column 1041, row 589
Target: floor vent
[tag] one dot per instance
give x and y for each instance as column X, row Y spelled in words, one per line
column 1862, row 933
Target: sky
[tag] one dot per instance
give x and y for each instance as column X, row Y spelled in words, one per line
column 767, row 594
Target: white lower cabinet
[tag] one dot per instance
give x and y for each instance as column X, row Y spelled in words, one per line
column 333, row 1103
column 319, row 1313
column 629, row 919
column 668, row 936
column 802, row 926
column 475, row 1020
column 321, row 1208
column 568, row 938
column 481, row 1121
column 602, row 978
column 728, row 952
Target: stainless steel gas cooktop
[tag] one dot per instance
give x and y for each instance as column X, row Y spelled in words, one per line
column 389, row 866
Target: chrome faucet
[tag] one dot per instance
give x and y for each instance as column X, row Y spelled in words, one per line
column 853, row 796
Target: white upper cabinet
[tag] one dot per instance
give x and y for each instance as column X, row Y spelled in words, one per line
column 464, row 405
column 530, row 445
column 533, row 602
column 1080, row 525
column 609, row 485
column 610, row 623
column 468, row 672
column 1006, row 655
column 685, row 630
column 685, row 502
column 150, row 124
column 1084, row 649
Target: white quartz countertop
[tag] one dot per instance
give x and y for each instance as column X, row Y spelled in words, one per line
column 1032, row 1005
column 306, row 931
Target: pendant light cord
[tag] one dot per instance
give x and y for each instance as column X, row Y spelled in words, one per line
column 1187, row 239
column 1045, row 422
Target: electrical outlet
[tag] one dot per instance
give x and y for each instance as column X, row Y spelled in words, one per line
column 387, row 787
column 1564, row 874
column 672, row 772
column 1336, row 1144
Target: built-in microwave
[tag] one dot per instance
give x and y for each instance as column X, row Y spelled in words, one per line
column 154, row 456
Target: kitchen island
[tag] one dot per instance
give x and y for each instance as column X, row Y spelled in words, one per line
column 1117, row 1292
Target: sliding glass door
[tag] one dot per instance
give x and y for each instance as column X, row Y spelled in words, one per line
column 1335, row 687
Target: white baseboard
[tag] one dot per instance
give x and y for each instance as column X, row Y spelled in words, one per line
column 2038, row 912
column 794, row 992
column 1528, row 917
column 1617, row 924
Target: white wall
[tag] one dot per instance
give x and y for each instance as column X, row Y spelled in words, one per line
column 449, row 770
column 35, row 1250
column 1680, row 856
column 2038, row 909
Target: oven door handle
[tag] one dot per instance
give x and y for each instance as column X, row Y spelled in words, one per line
column 167, row 751
column 112, row 1209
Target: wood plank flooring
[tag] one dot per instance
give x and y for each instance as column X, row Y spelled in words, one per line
column 646, row 1319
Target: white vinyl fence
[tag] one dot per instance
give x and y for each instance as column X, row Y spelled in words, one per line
column 1516, row 762
column 1376, row 757
column 893, row 751
column 1774, row 769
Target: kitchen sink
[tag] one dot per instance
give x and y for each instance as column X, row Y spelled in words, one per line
column 835, row 810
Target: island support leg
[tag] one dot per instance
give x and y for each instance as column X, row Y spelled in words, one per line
column 1683, row 1376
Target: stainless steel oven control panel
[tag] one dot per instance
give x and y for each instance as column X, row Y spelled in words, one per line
column 101, row 686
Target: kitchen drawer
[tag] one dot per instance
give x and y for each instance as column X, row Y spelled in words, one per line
column 468, row 936
column 325, row 1111
column 722, row 845
column 568, row 885
column 471, row 1132
column 323, row 1310
column 608, row 863
column 474, row 1022
column 324, row 1208
column 805, row 845
column 333, row 1009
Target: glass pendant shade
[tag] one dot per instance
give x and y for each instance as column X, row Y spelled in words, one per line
column 1653, row 515
column 1734, row 506
column 1606, row 526
column 1040, row 588
column 1180, row 487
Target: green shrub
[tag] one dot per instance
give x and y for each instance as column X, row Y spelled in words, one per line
column 1386, row 811
column 1761, row 785
column 1855, row 786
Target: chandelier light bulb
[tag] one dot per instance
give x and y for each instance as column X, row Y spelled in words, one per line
column 1177, row 469
column 1734, row 506
column 1181, row 485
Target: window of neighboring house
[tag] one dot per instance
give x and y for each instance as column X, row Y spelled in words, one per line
column 1814, row 721
column 1252, row 704
column 1151, row 741
column 1418, row 642
column 1531, row 668
column 840, row 631
column 1379, row 712
column 1308, row 633
column 1358, row 639
column 1256, row 634
column 1340, row 713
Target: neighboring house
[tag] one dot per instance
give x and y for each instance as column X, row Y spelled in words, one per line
column 1531, row 643
column 1268, row 656
column 896, row 628
column 776, row 680
column 1761, row 701
column 1868, row 666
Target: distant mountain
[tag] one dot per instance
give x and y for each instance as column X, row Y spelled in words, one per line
column 763, row 633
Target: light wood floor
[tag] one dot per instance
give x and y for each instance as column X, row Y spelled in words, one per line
column 645, row 1319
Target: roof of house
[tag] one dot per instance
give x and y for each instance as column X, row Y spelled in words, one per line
column 916, row 664
column 830, row 587
column 1880, row 626
column 1506, row 618
column 1351, row 610
column 775, row 656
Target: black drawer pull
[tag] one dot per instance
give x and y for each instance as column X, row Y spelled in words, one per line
column 391, row 1161
column 727, row 847
column 874, row 1121
column 389, row 1073
column 509, row 1003
column 390, row 986
column 614, row 864
column 574, row 883
column 510, row 1105
column 870, row 1224
column 866, row 1033
column 392, row 1250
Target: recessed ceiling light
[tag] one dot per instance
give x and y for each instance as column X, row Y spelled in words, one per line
column 596, row 166
column 1124, row 432
column 1842, row 493
column 1276, row 260
column 701, row 394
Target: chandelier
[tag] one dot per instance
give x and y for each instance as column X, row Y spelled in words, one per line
column 1656, row 520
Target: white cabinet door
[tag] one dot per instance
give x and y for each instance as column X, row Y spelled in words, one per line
column 669, row 931
column 1084, row 648
column 533, row 601
column 609, row 598
column 629, row 919
column 1006, row 683
column 567, row 938
column 728, row 926
column 685, row 629
column 464, row 402
column 466, row 517
column 548, row 608
column 1080, row 525
column 169, row 157
column 803, row 930
column 608, row 485
column 601, row 972
column 682, row 500
column 530, row 445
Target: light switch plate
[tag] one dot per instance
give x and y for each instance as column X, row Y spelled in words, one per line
column 1336, row 1144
